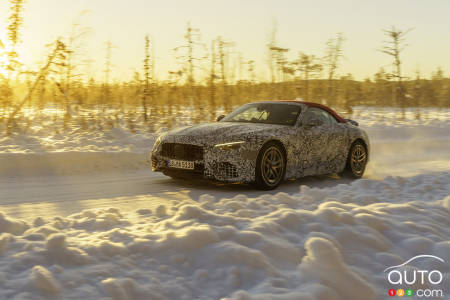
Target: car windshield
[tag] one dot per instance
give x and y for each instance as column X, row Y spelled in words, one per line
column 266, row 113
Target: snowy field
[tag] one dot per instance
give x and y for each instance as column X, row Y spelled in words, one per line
column 83, row 216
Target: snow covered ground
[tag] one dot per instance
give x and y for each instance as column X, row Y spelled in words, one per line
column 82, row 216
column 322, row 243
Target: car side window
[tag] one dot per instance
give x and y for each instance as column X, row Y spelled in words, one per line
column 314, row 113
column 318, row 113
column 331, row 119
column 252, row 114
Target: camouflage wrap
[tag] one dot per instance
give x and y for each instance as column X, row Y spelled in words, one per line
column 309, row 150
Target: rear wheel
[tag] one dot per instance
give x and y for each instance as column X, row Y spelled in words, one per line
column 270, row 166
column 356, row 161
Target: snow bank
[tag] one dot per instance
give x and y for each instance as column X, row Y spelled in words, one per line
column 382, row 123
column 39, row 151
column 10, row 225
column 42, row 280
column 70, row 163
column 422, row 149
column 74, row 152
column 38, row 140
column 329, row 243
column 324, row 261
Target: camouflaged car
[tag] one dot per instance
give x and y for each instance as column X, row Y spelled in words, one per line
column 265, row 143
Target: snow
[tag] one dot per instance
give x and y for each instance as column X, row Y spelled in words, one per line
column 37, row 138
column 42, row 280
column 39, row 151
column 82, row 216
column 320, row 243
column 11, row 226
column 324, row 261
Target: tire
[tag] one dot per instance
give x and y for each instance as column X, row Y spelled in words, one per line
column 270, row 166
column 356, row 161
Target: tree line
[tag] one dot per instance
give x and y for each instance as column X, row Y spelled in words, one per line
column 210, row 79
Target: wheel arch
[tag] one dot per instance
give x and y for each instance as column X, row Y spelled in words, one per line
column 279, row 143
column 363, row 142
column 259, row 181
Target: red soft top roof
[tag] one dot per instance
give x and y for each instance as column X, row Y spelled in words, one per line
column 324, row 107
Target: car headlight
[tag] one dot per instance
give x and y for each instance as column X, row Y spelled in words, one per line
column 158, row 141
column 229, row 146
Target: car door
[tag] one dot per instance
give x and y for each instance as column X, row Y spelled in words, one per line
column 335, row 154
column 317, row 139
column 304, row 147
column 315, row 147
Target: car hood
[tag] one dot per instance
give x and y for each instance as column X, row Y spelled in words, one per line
column 217, row 132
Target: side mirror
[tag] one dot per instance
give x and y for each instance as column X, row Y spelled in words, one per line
column 220, row 118
column 313, row 122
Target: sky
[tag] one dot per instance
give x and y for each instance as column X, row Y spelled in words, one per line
column 301, row 26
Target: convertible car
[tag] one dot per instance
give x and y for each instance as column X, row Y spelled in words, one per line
column 264, row 143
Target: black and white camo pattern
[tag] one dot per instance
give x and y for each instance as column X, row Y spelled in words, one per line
column 309, row 150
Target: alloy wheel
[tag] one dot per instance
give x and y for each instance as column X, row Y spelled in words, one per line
column 358, row 159
column 272, row 165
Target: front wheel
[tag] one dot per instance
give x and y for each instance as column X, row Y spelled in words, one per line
column 270, row 166
column 356, row 161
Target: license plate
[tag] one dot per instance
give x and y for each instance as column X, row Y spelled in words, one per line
column 181, row 164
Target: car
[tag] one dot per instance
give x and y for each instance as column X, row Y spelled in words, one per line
column 265, row 143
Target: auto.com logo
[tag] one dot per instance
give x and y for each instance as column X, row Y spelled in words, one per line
column 429, row 279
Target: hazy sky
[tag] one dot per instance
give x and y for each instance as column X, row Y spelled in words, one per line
column 302, row 26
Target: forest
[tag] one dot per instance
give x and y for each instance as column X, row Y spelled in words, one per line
column 59, row 95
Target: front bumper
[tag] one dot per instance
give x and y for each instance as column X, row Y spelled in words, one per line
column 217, row 165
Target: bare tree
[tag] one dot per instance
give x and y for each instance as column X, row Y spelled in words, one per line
column 251, row 71
column 308, row 66
column 173, row 89
column 68, row 63
column 15, row 22
column 437, row 79
column 281, row 69
column 75, row 46
column 271, row 61
column 5, row 88
column 393, row 47
column 278, row 65
column 280, row 61
column 188, row 55
column 213, row 76
column 240, row 63
column 147, row 78
column 58, row 49
column 107, row 71
column 331, row 61
column 223, row 52
column 10, row 58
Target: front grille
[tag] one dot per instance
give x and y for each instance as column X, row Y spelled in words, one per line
column 227, row 170
column 154, row 162
column 182, row 151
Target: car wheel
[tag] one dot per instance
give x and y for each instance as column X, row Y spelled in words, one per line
column 270, row 166
column 356, row 160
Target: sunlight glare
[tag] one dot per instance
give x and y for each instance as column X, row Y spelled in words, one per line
column 4, row 61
